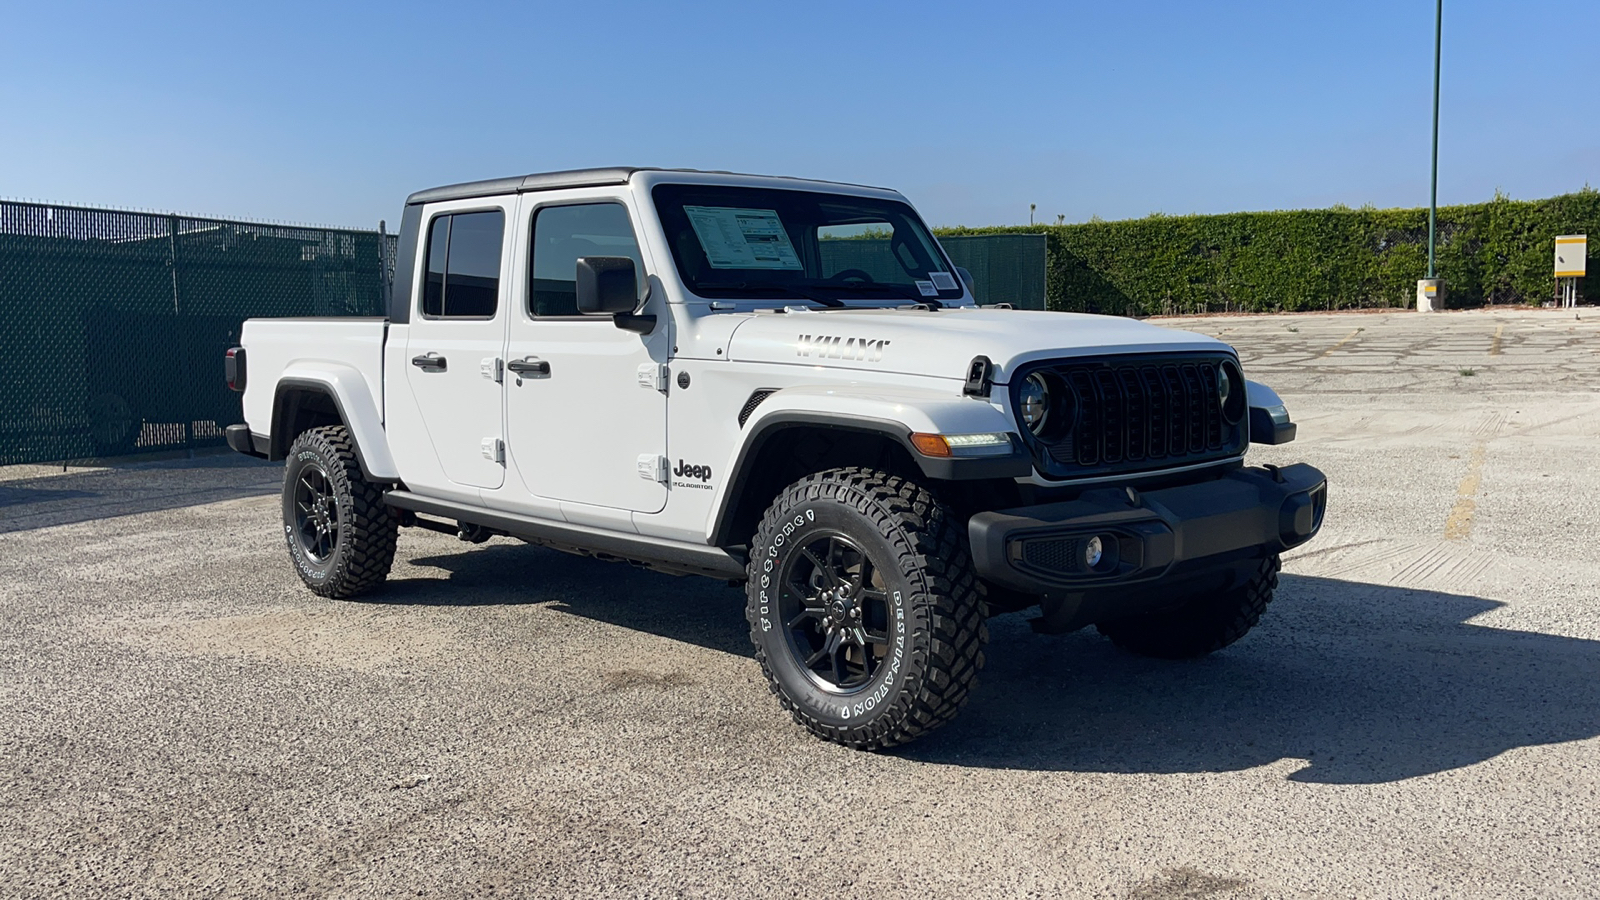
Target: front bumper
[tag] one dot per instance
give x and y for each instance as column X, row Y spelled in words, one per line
column 1143, row 537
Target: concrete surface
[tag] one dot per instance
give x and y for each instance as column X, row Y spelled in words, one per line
column 1417, row 715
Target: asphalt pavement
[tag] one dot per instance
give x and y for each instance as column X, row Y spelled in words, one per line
column 1418, row 714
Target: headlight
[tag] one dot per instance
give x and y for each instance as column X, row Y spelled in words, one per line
column 1033, row 402
column 1230, row 391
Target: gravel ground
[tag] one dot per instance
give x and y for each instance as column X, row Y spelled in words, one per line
column 1417, row 715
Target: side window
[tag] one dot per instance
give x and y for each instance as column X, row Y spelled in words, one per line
column 564, row 234
column 463, row 265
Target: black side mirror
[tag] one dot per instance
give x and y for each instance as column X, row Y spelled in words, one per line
column 607, row 285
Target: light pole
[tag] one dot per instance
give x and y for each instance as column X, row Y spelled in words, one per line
column 1430, row 290
column 1433, row 186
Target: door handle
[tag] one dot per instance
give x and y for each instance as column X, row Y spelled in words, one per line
column 431, row 362
column 532, row 366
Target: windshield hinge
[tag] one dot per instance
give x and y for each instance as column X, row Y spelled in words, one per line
column 978, row 374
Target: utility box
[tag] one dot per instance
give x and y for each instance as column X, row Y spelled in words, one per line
column 1430, row 294
column 1572, row 254
column 1572, row 260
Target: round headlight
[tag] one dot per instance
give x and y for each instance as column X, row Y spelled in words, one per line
column 1230, row 391
column 1033, row 402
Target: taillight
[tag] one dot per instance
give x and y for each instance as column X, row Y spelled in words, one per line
column 233, row 365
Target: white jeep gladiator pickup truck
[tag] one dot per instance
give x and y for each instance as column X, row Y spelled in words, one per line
column 786, row 384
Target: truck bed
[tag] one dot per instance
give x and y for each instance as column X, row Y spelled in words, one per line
column 276, row 348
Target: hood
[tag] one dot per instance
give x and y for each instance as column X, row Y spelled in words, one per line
column 942, row 342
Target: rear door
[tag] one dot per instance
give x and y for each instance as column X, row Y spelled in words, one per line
column 454, row 344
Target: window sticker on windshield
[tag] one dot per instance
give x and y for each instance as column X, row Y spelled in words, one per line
column 944, row 281
column 742, row 238
column 927, row 289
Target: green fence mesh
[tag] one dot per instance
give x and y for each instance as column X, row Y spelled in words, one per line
column 116, row 322
column 1006, row 268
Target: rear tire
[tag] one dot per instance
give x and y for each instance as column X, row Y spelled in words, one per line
column 341, row 536
column 863, row 607
column 1200, row 625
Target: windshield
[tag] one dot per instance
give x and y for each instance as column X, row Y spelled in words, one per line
column 829, row 248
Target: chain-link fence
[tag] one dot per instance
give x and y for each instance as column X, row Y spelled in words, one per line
column 1006, row 268
column 116, row 322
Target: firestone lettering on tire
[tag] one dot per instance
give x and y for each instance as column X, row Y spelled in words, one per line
column 809, row 515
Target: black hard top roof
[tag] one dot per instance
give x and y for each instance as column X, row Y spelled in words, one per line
column 548, row 181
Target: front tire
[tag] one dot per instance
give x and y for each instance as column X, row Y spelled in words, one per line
column 341, row 535
column 1200, row 625
column 863, row 607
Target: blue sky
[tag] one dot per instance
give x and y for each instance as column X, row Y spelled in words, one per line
column 330, row 113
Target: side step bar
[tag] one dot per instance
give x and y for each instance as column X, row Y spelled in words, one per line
column 675, row 557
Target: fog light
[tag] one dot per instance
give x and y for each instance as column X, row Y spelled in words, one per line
column 1093, row 552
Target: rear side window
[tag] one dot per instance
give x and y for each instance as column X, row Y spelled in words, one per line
column 564, row 234
column 463, row 265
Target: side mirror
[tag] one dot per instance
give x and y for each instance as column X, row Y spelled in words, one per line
column 607, row 286
column 966, row 279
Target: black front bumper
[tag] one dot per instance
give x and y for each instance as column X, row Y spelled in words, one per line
column 1144, row 537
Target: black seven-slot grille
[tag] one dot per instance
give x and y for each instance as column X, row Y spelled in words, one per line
column 1120, row 414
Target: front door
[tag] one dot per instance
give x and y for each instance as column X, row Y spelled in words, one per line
column 586, row 419
column 455, row 343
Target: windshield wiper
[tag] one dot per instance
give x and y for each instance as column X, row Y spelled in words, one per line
column 797, row 290
column 897, row 291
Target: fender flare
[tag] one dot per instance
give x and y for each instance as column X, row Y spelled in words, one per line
column 357, row 408
column 1268, row 417
column 894, row 415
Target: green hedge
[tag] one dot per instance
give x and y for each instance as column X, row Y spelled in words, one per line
column 1340, row 258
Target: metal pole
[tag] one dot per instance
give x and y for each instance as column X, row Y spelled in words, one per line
column 383, row 265
column 1433, row 187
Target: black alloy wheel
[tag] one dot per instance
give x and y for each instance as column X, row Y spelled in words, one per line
column 835, row 609
column 316, row 513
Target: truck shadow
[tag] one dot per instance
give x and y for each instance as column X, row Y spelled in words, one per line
column 1364, row 683
column 506, row 572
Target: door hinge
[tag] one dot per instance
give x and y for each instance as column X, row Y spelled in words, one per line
column 493, row 368
column 494, row 450
column 653, row 467
column 653, row 376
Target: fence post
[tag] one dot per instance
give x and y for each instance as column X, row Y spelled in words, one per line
column 172, row 255
column 172, row 258
column 383, row 265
